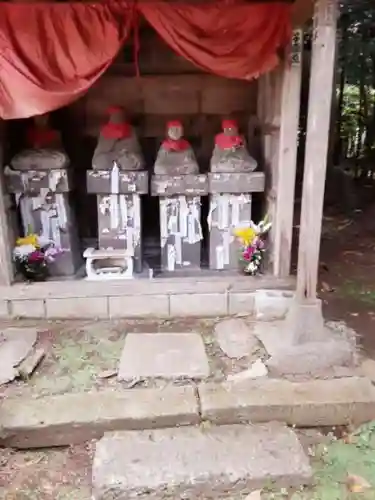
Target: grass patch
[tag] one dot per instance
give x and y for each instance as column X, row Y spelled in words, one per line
column 358, row 292
column 335, row 464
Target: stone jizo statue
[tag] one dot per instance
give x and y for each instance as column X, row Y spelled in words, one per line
column 117, row 143
column 230, row 153
column 175, row 156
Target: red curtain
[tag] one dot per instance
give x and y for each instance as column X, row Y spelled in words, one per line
column 50, row 54
column 235, row 41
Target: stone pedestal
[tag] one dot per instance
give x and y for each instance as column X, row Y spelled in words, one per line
column 39, row 180
column 119, row 209
column 230, row 207
column 180, row 227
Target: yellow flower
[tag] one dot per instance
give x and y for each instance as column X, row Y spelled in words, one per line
column 245, row 234
column 30, row 239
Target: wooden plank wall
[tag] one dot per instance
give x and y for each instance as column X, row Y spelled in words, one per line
column 169, row 87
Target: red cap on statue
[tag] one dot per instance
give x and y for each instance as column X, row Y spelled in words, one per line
column 229, row 138
column 175, row 141
column 117, row 127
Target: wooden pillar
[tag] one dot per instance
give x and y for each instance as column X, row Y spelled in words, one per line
column 6, row 265
column 286, row 162
column 318, row 122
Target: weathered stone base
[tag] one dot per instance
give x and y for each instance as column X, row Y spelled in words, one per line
column 177, row 297
column 312, row 403
column 76, row 418
column 195, row 463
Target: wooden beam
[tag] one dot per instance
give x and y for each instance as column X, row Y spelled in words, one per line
column 286, row 163
column 319, row 111
column 6, row 243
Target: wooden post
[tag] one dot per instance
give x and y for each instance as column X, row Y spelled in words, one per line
column 286, row 162
column 317, row 139
column 6, row 266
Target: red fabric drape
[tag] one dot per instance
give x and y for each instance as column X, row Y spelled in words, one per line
column 50, row 54
column 236, row 41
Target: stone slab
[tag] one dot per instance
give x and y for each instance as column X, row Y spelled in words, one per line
column 15, row 345
column 236, row 182
column 197, row 463
column 165, row 355
column 171, row 185
column 75, row 418
column 235, row 338
column 314, row 358
column 303, row 404
column 99, row 182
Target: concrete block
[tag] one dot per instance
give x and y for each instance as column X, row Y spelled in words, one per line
column 304, row 404
column 272, row 304
column 136, row 306
column 197, row 304
column 77, row 307
column 241, row 303
column 195, row 463
column 28, row 308
column 166, row 355
column 76, row 418
column 4, row 308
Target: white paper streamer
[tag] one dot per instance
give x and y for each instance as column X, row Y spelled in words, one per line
column 114, row 211
column 219, row 257
column 226, row 245
column 163, row 222
column 171, row 257
column 55, row 231
column 123, row 212
column 61, row 211
column 172, row 224
column 26, row 208
column 235, row 216
column 178, row 248
column 115, row 179
column 183, row 212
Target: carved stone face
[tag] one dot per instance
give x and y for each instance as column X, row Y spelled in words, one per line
column 232, row 131
column 175, row 131
column 117, row 116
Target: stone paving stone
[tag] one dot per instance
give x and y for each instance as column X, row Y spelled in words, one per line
column 164, row 355
column 15, row 345
column 197, row 463
column 74, row 418
column 235, row 338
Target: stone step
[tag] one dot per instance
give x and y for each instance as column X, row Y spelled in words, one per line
column 78, row 417
column 197, row 463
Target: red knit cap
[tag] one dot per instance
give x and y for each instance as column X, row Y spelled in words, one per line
column 229, row 124
column 174, row 123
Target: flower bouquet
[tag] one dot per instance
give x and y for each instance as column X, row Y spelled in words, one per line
column 252, row 240
column 32, row 255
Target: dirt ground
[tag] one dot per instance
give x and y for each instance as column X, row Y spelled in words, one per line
column 347, row 273
column 347, row 288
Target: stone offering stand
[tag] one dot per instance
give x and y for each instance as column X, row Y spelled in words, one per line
column 119, row 217
column 230, row 207
column 40, row 182
column 180, row 227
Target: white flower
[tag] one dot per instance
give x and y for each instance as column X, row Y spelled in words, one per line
column 22, row 251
